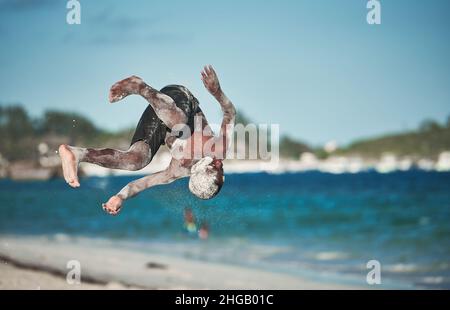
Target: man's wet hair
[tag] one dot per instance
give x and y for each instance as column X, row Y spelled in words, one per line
column 206, row 180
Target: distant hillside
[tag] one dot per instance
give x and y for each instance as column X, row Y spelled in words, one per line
column 429, row 140
column 289, row 147
column 20, row 134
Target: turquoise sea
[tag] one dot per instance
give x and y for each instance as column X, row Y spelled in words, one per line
column 312, row 224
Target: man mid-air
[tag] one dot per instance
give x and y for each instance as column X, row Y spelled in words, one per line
column 172, row 112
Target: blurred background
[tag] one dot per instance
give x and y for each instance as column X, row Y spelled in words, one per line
column 363, row 112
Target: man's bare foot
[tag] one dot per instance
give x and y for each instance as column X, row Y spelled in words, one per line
column 69, row 165
column 113, row 205
column 128, row 86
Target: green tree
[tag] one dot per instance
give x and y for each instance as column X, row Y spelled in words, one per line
column 292, row 148
column 241, row 118
column 16, row 132
column 62, row 123
column 15, row 122
column 429, row 126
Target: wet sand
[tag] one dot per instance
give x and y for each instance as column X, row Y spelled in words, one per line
column 41, row 263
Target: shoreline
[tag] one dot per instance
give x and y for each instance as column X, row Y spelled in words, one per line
column 388, row 163
column 42, row 261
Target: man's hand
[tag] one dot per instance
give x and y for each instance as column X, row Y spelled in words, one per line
column 210, row 80
column 113, row 205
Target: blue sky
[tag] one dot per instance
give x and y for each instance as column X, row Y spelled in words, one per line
column 314, row 67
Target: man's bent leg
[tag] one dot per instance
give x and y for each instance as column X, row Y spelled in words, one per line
column 135, row 158
column 164, row 106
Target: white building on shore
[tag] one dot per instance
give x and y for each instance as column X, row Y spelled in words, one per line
column 443, row 163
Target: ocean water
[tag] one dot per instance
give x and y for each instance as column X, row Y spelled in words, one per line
column 316, row 225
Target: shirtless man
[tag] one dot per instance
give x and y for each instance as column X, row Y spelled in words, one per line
column 172, row 112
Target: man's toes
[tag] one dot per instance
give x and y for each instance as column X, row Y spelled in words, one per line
column 74, row 183
column 66, row 179
column 113, row 95
column 116, row 95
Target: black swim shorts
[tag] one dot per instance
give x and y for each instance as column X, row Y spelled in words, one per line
column 152, row 130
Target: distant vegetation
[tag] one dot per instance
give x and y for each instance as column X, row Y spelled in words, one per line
column 429, row 140
column 20, row 134
column 289, row 147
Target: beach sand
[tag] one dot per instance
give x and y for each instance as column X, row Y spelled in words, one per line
column 41, row 263
column 14, row 278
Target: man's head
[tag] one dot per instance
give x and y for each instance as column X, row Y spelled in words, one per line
column 206, row 178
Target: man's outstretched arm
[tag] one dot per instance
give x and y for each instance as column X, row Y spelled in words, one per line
column 211, row 82
column 172, row 173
